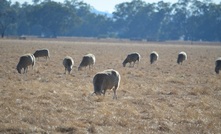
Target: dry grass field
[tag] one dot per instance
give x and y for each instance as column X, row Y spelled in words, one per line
column 160, row 98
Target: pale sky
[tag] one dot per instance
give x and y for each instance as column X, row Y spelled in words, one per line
column 107, row 5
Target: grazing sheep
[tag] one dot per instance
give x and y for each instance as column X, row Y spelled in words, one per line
column 42, row 53
column 87, row 60
column 181, row 57
column 107, row 79
column 25, row 61
column 133, row 57
column 218, row 65
column 68, row 63
column 153, row 57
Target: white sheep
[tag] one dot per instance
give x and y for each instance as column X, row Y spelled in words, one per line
column 153, row 57
column 42, row 53
column 182, row 56
column 133, row 57
column 107, row 79
column 87, row 60
column 218, row 65
column 25, row 61
column 68, row 63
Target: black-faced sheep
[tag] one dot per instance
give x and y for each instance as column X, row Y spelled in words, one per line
column 218, row 65
column 107, row 79
column 133, row 57
column 182, row 56
column 153, row 57
column 42, row 53
column 68, row 63
column 87, row 60
column 25, row 61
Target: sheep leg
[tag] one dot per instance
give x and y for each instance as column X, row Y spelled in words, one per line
column 91, row 67
column 104, row 91
column 65, row 71
column 92, row 93
column 115, row 93
column 25, row 70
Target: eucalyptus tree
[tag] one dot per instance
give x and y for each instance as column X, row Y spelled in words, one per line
column 7, row 16
column 124, row 16
column 205, row 21
column 54, row 18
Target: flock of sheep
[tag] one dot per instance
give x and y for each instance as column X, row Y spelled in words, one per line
column 107, row 79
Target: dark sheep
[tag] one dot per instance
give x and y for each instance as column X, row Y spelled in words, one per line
column 107, row 79
column 87, row 60
column 153, row 57
column 68, row 63
column 42, row 53
column 182, row 56
column 218, row 65
column 25, row 61
column 133, row 57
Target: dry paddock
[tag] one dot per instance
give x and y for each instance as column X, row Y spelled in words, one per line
column 161, row 98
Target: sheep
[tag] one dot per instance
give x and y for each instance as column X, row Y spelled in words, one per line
column 42, row 53
column 133, row 57
column 68, row 63
column 87, row 60
column 107, row 79
column 25, row 61
column 153, row 57
column 181, row 57
column 218, row 65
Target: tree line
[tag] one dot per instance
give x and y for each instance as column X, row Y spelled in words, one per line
column 187, row 19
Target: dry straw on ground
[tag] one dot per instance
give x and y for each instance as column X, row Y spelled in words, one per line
column 161, row 98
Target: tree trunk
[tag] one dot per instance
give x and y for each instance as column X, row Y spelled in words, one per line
column 2, row 35
column 3, row 32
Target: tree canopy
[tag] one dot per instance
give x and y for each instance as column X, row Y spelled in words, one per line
column 186, row 19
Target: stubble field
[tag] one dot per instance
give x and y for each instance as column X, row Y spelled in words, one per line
column 161, row 98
